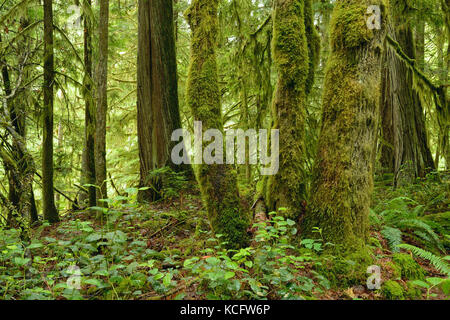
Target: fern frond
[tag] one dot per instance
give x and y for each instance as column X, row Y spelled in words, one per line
column 436, row 261
column 393, row 236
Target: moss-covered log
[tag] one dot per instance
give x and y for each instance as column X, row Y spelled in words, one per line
column 343, row 173
column 291, row 57
column 218, row 183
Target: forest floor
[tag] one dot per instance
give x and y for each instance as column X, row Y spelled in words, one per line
column 167, row 251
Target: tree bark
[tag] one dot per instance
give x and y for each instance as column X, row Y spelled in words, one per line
column 403, row 119
column 89, row 120
column 102, row 103
column 50, row 212
column 218, row 183
column 295, row 58
column 157, row 107
column 343, row 174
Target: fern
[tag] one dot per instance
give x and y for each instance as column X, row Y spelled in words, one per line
column 399, row 218
column 436, row 261
column 393, row 236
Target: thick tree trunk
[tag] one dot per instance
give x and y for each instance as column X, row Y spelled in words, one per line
column 403, row 119
column 218, row 183
column 102, row 102
column 89, row 121
column 343, row 173
column 288, row 188
column 50, row 212
column 158, row 110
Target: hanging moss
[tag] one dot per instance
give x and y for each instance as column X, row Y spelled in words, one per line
column 218, row 183
column 290, row 50
column 343, row 173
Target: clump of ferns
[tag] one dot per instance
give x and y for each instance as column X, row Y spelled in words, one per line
column 401, row 217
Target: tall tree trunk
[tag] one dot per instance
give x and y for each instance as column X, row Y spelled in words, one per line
column 50, row 212
column 343, row 173
column 102, row 102
column 23, row 181
column 403, row 118
column 218, row 183
column 158, row 110
column 89, row 111
column 446, row 139
column 288, row 188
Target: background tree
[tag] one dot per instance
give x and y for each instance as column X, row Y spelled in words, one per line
column 89, row 115
column 157, row 108
column 102, row 100
column 406, row 149
column 49, row 208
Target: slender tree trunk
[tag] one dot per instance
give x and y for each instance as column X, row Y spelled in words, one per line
column 89, row 111
column 343, row 173
column 50, row 212
column 218, row 183
column 288, row 188
column 20, row 182
column 446, row 139
column 59, row 150
column 102, row 102
column 158, row 108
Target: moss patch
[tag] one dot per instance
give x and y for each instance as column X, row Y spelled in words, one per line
column 410, row 269
column 392, row 290
column 346, row 271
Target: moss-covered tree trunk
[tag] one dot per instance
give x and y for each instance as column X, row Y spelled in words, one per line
column 102, row 102
column 343, row 173
column 406, row 147
column 48, row 197
column 290, row 49
column 158, row 108
column 218, row 182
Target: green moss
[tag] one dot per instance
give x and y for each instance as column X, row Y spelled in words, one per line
column 218, row 183
column 290, row 50
column 350, row 26
column 346, row 270
column 393, row 290
column 413, row 292
column 410, row 269
column 395, row 269
column 343, row 173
